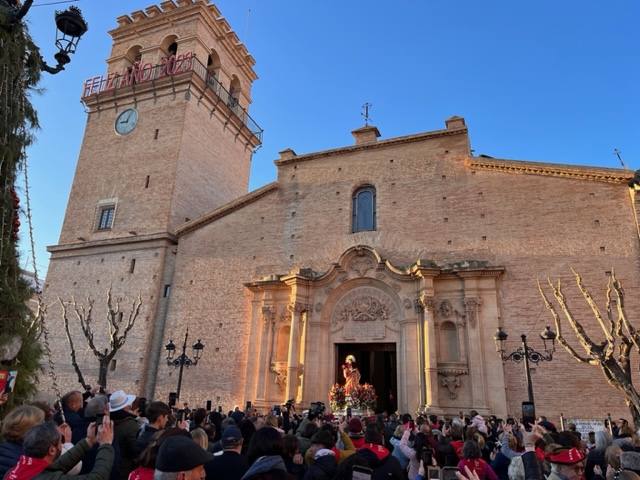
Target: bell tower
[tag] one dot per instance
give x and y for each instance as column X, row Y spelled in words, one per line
column 168, row 134
column 168, row 138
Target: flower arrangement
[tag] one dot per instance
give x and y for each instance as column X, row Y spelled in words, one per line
column 337, row 397
column 364, row 397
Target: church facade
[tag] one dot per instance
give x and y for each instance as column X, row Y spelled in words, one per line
column 407, row 252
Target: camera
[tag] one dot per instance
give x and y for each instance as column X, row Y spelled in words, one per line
column 316, row 410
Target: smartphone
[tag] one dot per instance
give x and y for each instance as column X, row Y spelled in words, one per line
column 361, row 473
column 528, row 415
column 348, row 412
column 449, row 473
column 99, row 420
column 180, row 416
column 433, row 473
column 208, row 405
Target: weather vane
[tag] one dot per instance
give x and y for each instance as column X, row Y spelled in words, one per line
column 618, row 154
column 365, row 113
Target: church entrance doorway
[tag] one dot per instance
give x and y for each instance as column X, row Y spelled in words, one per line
column 377, row 365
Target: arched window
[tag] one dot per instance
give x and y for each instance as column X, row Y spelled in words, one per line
column 169, row 45
column 364, row 209
column 213, row 64
column 134, row 54
column 234, row 92
column 449, row 348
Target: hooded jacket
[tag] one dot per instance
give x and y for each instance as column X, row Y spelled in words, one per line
column 265, row 464
column 9, row 454
column 324, row 466
column 125, row 434
column 376, row 457
column 59, row 469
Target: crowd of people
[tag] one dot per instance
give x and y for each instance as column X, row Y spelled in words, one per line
column 121, row 437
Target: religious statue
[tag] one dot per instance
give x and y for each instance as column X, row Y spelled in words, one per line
column 351, row 374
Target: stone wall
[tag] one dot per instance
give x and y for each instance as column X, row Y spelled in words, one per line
column 431, row 203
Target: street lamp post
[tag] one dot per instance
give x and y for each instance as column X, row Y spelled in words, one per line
column 183, row 360
column 526, row 354
column 70, row 24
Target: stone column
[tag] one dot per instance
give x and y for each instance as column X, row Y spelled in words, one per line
column 296, row 310
column 476, row 355
column 264, row 367
column 430, row 351
column 302, row 356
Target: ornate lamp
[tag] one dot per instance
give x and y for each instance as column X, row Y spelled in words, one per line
column 171, row 350
column 549, row 335
column 197, row 351
column 499, row 338
column 71, row 26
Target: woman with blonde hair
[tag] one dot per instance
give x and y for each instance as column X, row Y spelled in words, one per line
column 14, row 427
column 200, row 437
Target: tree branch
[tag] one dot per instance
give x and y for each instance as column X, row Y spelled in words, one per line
column 594, row 307
column 622, row 316
column 74, row 360
column 556, row 321
column 23, row 11
column 590, row 347
column 84, row 317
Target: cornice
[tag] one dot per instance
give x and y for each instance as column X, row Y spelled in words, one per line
column 372, row 146
column 577, row 172
column 226, row 209
column 170, row 85
column 163, row 237
column 188, row 8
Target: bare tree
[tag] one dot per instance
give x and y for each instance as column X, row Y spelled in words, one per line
column 612, row 354
column 118, row 329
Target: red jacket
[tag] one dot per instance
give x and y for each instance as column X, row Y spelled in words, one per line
column 482, row 468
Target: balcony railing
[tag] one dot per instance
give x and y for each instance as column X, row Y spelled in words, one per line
column 139, row 74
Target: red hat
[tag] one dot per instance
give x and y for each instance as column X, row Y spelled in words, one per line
column 355, row 427
column 566, row 456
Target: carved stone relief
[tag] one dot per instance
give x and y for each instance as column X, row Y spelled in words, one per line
column 471, row 307
column 451, row 380
column 280, row 371
column 445, row 309
column 365, row 312
column 362, row 264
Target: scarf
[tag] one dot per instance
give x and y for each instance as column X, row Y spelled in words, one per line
column 27, row 468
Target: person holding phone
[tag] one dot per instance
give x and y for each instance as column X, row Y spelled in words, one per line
column 472, row 458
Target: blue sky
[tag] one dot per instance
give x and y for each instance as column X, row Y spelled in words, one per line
column 547, row 80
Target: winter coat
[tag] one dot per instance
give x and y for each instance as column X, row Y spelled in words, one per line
column 9, row 454
column 324, row 466
column 76, row 421
column 376, row 457
column 125, row 434
column 144, row 437
column 228, row 465
column 142, row 473
column 446, row 455
column 482, row 468
column 403, row 460
column 266, row 464
column 500, row 465
column 58, row 469
column 595, row 457
column 294, row 469
column 410, row 453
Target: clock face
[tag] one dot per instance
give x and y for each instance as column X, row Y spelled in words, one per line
column 126, row 121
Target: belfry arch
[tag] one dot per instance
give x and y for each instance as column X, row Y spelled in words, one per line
column 417, row 313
